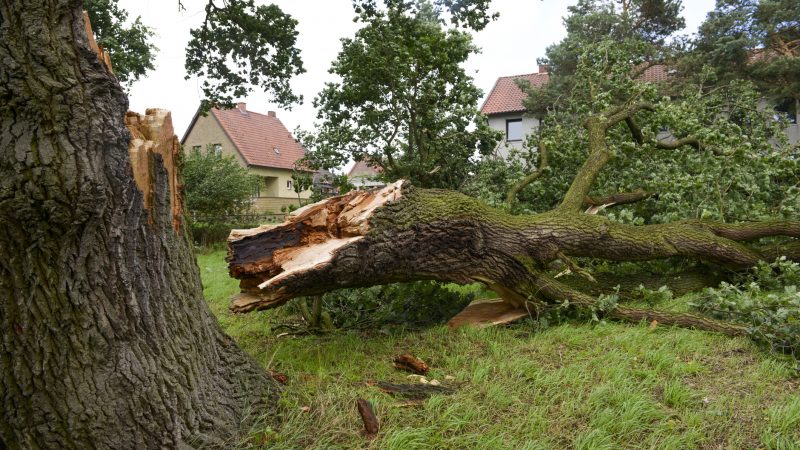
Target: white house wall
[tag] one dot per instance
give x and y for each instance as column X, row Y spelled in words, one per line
column 498, row 122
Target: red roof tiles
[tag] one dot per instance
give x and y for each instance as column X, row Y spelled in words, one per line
column 507, row 97
column 362, row 169
column 262, row 140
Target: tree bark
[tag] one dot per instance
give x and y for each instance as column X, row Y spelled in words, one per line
column 106, row 339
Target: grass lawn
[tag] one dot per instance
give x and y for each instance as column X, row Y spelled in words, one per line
column 587, row 386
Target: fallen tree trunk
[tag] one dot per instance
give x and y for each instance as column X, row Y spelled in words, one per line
column 402, row 233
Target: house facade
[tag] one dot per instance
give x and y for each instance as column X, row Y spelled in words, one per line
column 362, row 176
column 506, row 113
column 259, row 142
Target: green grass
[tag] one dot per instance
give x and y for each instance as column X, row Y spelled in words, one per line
column 586, row 386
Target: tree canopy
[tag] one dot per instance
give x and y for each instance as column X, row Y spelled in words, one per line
column 404, row 102
column 239, row 48
column 758, row 40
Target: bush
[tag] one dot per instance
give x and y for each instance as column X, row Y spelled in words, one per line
column 766, row 299
column 216, row 185
column 208, row 233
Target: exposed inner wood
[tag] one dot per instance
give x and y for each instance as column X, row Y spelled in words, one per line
column 487, row 312
column 308, row 239
column 102, row 54
column 153, row 136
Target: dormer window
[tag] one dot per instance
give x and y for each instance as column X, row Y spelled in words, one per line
column 513, row 130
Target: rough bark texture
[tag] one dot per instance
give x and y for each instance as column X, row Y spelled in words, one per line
column 106, row 339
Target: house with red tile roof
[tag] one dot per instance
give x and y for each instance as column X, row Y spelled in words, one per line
column 362, row 175
column 259, row 142
column 506, row 113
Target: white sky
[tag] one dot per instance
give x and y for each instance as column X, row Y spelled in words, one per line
column 510, row 46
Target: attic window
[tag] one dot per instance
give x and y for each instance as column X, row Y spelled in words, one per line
column 514, row 129
column 277, row 152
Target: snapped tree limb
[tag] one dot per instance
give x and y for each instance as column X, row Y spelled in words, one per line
column 402, row 233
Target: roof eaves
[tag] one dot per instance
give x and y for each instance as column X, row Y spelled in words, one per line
column 496, row 82
column 191, row 125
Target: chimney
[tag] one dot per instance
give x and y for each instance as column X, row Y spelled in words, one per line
column 544, row 68
column 241, row 106
column 271, row 113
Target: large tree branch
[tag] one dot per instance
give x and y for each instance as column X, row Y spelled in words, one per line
column 620, row 198
column 541, row 166
column 403, row 234
column 620, row 114
column 599, row 156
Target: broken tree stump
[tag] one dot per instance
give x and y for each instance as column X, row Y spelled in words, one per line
column 153, row 136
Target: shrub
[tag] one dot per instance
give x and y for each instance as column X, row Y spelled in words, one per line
column 766, row 299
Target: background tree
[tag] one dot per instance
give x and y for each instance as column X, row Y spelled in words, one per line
column 216, row 185
column 302, row 180
column 404, row 102
column 240, row 48
column 753, row 40
column 131, row 52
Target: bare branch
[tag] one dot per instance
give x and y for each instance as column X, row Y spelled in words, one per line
column 620, row 198
column 636, row 132
column 541, row 166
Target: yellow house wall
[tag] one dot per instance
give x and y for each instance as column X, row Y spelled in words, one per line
column 274, row 193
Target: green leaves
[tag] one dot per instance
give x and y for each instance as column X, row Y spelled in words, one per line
column 131, row 53
column 755, row 40
column 241, row 46
column 404, row 102
column 215, row 186
column 767, row 299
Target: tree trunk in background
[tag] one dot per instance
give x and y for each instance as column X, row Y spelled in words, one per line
column 106, row 341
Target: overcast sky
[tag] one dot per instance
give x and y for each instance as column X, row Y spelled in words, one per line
column 509, row 46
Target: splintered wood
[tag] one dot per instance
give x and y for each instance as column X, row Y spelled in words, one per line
column 488, row 312
column 309, row 238
column 152, row 134
column 411, row 363
column 101, row 53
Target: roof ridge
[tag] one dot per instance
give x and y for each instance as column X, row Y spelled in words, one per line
column 525, row 74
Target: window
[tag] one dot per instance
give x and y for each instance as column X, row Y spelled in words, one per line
column 787, row 109
column 257, row 189
column 514, row 129
column 217, row 149
column 289, row 184
column 196, row 148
